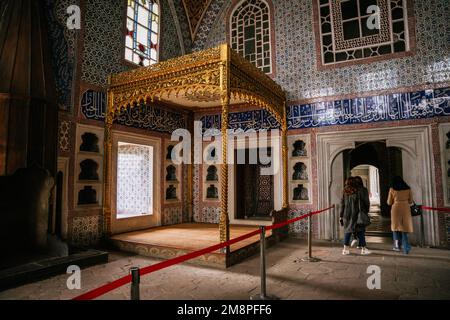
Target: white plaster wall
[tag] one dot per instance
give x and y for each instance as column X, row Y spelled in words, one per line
column 337, row 185
column 412, row 177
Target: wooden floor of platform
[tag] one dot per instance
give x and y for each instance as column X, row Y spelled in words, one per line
column 174, row 240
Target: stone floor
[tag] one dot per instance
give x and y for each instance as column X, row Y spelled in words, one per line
column 423, row 274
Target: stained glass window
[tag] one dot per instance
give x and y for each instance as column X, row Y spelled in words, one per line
column 359, row 29
column 250, row 33
column 142, row 38
column 134, row 180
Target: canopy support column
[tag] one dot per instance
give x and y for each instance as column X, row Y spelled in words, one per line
column 224, row 224
column 284, row 155
column 107, row 166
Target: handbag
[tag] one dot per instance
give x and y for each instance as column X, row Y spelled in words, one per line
column 363, row 217
column 416, row 210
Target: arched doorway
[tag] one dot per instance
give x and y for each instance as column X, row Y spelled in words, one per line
column 384, row 163
column 370, row 175
column 413, row 143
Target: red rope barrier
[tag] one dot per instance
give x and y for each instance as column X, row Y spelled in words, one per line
column 167, row 263
column 436, row 209
column 282, row 224
column 161, row 265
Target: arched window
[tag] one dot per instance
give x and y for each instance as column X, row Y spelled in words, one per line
column 142, row 34
column 250, row 32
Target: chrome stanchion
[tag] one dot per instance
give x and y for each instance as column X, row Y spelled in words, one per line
column 333, row 225
column 135, row 280
column 262, row 264
column 310, row 258
column 422, row 231
column 336, row 224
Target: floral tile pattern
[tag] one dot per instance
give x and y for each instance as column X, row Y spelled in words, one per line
column 86, row 230
column 64, row 136
column 210, row 215
column 104, row 39
column 296, row 66
column 172, row 216
column 62, row 49
column 196, row 190
column 301, row 226
column 170, row 44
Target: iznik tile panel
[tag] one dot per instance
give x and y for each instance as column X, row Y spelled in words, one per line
column 93, row 106
column 392, row 107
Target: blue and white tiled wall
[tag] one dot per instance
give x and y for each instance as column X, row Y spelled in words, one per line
column 295, row 45
column 393, row 107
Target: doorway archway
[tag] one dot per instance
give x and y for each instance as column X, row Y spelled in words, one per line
column 414, row 143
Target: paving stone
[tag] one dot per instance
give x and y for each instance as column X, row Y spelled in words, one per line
column 425, row 274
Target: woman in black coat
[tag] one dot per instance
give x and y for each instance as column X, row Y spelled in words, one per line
column 354, row 204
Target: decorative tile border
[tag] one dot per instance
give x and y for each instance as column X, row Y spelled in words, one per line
column 447, row 219
column 196, row 193
column 64, row 136
column 392, row 107
column 93, row 107
column 254, row 119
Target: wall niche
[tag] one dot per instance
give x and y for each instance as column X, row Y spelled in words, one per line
column 172, row 176
column 88, row 166
column 171, row 173
column 87, row 195
column 171, row 193
column 210, row 174
column 299, row 169
column 89, row 170
column 89, row 142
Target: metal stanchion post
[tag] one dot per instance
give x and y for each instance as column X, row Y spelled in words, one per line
column 422, row 232
column 310, row 258
column 336, row 224
column 333, row 224
column 135, row 280
column 262, row 264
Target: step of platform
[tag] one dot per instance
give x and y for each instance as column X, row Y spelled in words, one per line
column 46, row 268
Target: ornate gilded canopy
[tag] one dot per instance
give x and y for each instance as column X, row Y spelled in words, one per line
column 197, row 81
column 205, row 79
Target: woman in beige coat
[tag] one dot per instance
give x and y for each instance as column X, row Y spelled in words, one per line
column 400, row 199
